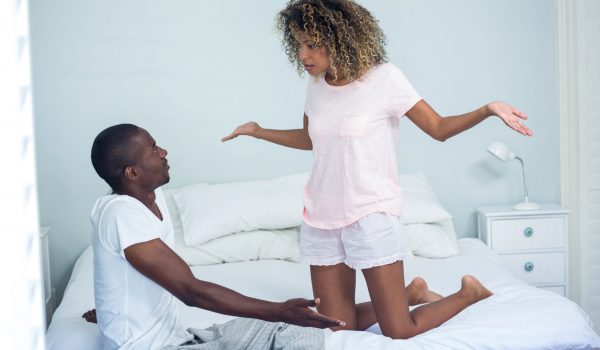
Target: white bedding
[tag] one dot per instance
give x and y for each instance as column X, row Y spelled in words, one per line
column 518, row 316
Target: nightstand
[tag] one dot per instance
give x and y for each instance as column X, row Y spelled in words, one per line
column 532, row 243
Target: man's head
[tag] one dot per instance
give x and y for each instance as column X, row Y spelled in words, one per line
column 126, row 155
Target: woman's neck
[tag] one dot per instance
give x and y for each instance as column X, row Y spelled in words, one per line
column 340, row 81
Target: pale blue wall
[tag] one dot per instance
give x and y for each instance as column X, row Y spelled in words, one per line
column 189, row 71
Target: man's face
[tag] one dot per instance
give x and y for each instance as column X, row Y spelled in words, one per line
column 152, row 160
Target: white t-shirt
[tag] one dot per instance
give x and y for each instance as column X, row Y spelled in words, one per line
column 133, row 312
column 354, row 133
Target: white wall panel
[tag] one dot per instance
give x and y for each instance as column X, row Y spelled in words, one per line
column 21, row 316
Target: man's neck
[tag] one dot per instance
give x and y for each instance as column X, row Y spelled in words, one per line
column 144, row 195
column 148, row 198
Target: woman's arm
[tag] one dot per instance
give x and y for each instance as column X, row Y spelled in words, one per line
column 442, row 128
column 296, row 138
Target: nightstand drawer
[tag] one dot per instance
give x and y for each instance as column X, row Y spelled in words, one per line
column 527, row 234
column 539, row 268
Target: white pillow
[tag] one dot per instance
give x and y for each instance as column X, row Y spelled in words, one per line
column 244, row 246
column 173, row 211
column 209, row 212
column 421, row 205
column 433, row 240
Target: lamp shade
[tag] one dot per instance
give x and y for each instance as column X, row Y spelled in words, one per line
column 501, row 151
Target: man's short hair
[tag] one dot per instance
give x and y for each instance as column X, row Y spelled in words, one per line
column 114, row 149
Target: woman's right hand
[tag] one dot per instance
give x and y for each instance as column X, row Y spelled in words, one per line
column 248, row 129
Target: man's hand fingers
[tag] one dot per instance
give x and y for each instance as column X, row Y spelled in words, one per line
column 325, row 321
column 305, row 316
column 303, row 302
column 311, row 302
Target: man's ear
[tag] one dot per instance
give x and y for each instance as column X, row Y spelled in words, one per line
column 130, row 172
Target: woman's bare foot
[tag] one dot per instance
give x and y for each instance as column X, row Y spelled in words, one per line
column 419, row 293
column 473, row 290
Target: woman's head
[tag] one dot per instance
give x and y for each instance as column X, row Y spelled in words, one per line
column 349, row 35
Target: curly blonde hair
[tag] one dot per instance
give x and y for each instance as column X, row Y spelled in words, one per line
column 351, row 35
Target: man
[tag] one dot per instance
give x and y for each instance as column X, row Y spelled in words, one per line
column 136, row 273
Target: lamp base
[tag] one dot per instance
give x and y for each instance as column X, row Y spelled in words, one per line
column 526, row 206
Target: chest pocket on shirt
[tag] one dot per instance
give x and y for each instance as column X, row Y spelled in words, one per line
column 353, row 125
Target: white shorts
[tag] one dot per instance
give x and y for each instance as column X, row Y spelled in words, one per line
column 375, row 240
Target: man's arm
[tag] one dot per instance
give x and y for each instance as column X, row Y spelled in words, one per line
column 157, row 261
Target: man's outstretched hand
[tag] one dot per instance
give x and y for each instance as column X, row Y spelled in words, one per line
column 299, row 312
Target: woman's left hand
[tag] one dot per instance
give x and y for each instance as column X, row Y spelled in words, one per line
column 510, row 116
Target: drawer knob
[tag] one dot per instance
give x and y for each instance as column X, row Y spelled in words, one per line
column 528, row 232
column 528, row 266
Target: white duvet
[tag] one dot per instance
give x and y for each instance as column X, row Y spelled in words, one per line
column 517, row 316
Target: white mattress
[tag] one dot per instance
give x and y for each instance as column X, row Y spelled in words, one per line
column 518, row 316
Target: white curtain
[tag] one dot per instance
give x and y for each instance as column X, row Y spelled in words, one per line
column 21, row 311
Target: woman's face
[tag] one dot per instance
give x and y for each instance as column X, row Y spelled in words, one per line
column 314, row 58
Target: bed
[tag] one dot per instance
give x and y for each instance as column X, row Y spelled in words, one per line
column 262, row 262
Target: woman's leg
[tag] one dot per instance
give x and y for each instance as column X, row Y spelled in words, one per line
column 390, row 302
column 335, row 285
column 417, row 292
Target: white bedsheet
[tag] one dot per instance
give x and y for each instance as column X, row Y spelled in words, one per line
column 518, row 316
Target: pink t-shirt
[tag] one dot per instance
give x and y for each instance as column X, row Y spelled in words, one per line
column 354, row 132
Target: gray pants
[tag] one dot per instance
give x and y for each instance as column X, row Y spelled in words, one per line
column 251, row 334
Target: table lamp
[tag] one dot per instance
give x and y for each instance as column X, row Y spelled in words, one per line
column 501, row 151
